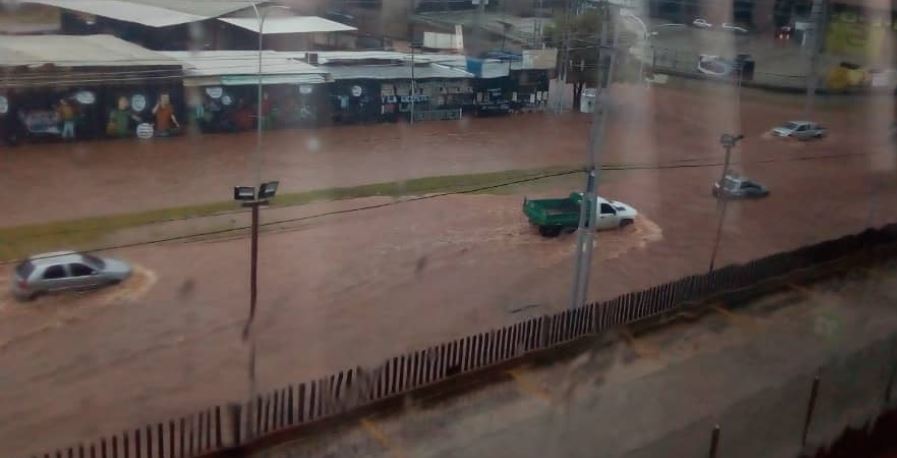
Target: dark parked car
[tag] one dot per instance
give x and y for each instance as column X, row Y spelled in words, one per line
column 735, row 187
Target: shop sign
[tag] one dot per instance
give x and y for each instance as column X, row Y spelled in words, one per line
column 144, row 130
column 41, row 121
column 306, row 89
column 138, row 102
column 85, row 97
column 4, row 105
column 215, row 92
column 415, row 98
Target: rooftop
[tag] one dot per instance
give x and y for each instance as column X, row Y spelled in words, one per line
column 152, row 13
column 76, row 51
column 241, row 67
column 289, row 24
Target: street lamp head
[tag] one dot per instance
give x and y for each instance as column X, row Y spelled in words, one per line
column 729, row 140
column 268, row 190
column 244, row 193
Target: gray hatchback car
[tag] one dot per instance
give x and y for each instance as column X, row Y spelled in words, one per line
column 65, row 270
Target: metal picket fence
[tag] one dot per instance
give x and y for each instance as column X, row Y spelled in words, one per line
column 292, row 407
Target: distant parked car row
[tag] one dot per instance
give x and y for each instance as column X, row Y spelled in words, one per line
column 702, row 23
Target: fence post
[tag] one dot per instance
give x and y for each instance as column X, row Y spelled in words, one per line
column 714, row 441
column 235, row 418
column 814, row 391
column 218, row 442
column 182, row 434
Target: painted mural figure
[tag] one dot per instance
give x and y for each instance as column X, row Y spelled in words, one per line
column 66, row 114
column 165, row 118
column 120, row 118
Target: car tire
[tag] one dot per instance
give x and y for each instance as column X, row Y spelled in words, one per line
column 626, row 222
column 549, row 231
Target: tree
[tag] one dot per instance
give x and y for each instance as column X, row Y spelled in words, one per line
column 581, row 63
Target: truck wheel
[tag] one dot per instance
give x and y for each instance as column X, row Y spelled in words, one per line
column 549, row 231
column 626, row 222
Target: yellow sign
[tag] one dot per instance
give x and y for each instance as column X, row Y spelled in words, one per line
column 848, row 35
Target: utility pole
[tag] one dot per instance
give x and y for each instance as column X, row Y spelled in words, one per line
column 588, row 210
column 479, row 27
column 815, row 46
column 728, row 141
column 564, row 56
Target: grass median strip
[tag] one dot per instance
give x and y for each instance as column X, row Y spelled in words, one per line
column 20, row 241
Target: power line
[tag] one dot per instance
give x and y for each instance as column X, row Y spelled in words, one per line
column 606, row 167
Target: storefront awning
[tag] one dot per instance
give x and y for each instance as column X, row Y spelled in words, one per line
column 249, row 80
column 289, row 24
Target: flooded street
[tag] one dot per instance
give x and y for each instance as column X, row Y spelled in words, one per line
column 351, row 289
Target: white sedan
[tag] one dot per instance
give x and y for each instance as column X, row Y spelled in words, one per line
column 702, row 23
column 801, row 130
column 729, row 27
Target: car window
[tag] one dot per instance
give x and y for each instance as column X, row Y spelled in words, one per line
column 94, row 261
column 730, row 184
column 791, row 125
column 80, row 270
column 606, row 208
column 24, row 269
column 54, row 272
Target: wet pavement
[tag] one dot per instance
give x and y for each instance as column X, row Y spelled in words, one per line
column 351, row 289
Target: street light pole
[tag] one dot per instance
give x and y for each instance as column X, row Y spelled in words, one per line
column 816, row 13
column 646, row 40
column 260, row 17
column 586, row 230
column 249, row 198
column 728, row 141
column 412, row 82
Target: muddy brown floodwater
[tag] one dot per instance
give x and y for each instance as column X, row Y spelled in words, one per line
column 354, row 288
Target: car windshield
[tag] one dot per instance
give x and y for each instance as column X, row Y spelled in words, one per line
column 94, row 261
column 730, row 183
column 791, row 125
column 24, row 269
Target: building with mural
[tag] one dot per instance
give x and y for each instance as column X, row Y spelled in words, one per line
column 63, row 87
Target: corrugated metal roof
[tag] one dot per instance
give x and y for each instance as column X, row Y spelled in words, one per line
column 77, row 51
column 241, row 67
column 289, row 24
column 152, row 13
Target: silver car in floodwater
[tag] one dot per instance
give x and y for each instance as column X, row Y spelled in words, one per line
column 65, row 270
column 801, row 130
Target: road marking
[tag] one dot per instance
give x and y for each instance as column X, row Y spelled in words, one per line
column 525, row 385
column 641, row 349
column 371, row 428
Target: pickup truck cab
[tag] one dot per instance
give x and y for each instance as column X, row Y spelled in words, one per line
column 552, row 216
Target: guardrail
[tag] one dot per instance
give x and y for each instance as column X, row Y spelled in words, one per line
column 292, row 408
column 685, row 64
